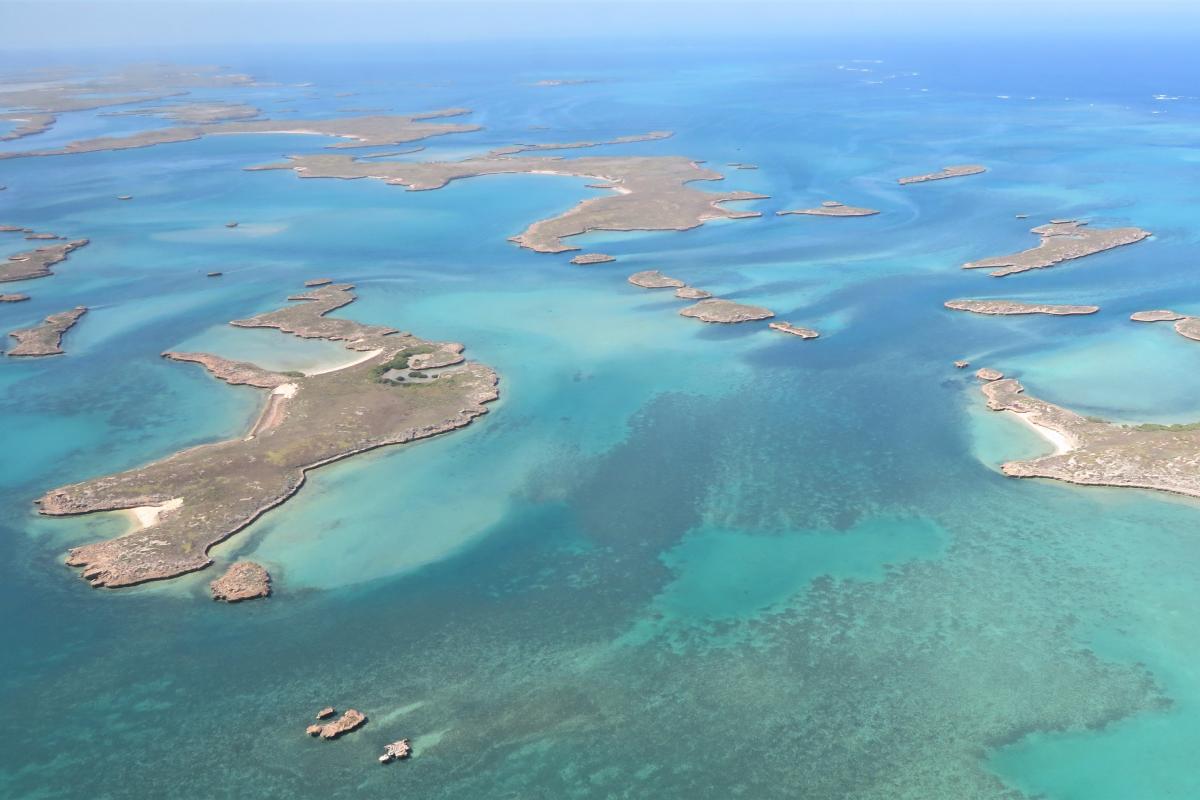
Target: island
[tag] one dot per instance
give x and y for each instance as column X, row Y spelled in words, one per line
column 524, row 148
column 795, row 330
column 831, row 208
column 1006, row 307
column 351, row 720
column 13, row 298
column 1094, row 452
column 45, row 338
column 650, row 192
column 592, row 258
column 368, row 131
column 988, row 374
column 203, row 495
column 37, row 263
column 244, row 580
column 198, row 113
column 1062, row 240
column 1186, row 326
column 691, row 293
column 725, row 311
column 958, row 171
column 653, row 279
column 34, row 102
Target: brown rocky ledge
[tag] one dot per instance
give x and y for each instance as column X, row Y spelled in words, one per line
column 1016, row 307
column 351, row 720
column 795, row 330
column 592, row 258
column 653, row 279
column 45, row 339
column 959, row 171
column 396, row 751
column 1186, row 326
column 13, row 298
column 315, row 282
column 1062, row 240
column 692, row 293
column 725, row 311
column 244, row 580
column 326, row 712
column 832, row 208
column 210, row 492
column 1097, row 453
column 36, row 263
column 653, row 193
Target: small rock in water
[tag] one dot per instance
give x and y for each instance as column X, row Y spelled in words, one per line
column 395, row 751
column 215, row 274
column 326, row 712
column 231, row 224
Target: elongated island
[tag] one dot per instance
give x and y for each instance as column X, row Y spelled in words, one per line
column 400, row 388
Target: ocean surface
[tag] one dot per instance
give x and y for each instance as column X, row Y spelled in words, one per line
column 675, row 560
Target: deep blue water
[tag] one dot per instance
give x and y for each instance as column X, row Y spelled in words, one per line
column 675, row 560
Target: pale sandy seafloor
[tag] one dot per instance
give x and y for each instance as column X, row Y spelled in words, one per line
column 675, row 560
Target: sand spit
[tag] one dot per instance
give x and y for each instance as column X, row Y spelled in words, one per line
column 1062, row 240
column 45, row 339
column 316, row 420
column 1009, row 307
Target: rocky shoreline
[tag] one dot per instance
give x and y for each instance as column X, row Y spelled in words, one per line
column 316, row 420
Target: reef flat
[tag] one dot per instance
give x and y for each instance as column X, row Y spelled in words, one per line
column 1006, row 307
column 959, row 171
column 208, row 493
column 362, row 131
column 651, row 192
column 37, row 263
column 726, row 311
column 1098, row 453
column 45, row 338
column 831, row 208
column 1062, row 240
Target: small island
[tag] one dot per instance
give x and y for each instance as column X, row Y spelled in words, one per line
column 1007, row 307
column 725, row 311
column 197, row 113
column 1186, row 326
column 958, row 171
column 831, row 208
column 37, row 263
column 525, row 148
column 1098, row 453
column 692, row 293
column 1062, row 240
column 13, row 298
column 45, row 339
column 795, row 330
column 351, row 720
column 244, row 580
column 653, row 279
column 592, row 258
column 203, row 495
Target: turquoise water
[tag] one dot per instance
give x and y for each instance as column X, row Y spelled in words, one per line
column 674, row 560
